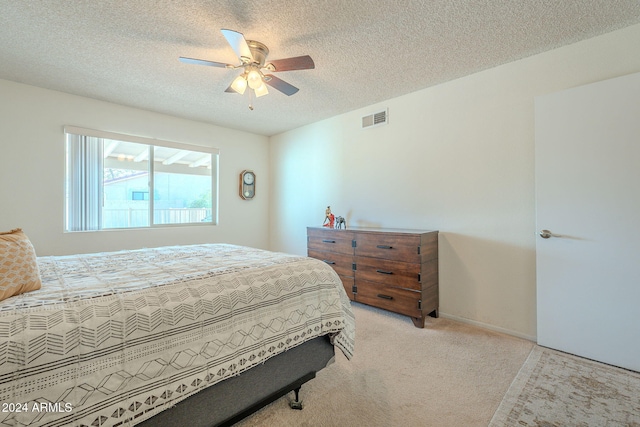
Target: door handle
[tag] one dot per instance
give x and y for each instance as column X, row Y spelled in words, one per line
column 545, row 234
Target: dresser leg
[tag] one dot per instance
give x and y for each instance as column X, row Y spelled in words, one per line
column 418, row 322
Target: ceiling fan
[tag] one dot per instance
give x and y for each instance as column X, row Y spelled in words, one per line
column 253, row 56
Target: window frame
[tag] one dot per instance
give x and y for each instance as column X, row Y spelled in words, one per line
column 152, row 142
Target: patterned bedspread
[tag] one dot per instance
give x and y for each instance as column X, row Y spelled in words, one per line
column 113, row 338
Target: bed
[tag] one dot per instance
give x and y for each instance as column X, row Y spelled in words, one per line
column 154, row 337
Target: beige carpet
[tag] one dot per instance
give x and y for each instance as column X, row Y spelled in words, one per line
column 558, row 389
column 448, row 374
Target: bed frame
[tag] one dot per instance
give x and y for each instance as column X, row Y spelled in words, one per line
column 229, row 401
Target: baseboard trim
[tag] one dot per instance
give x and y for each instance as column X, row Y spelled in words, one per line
column 488, row 326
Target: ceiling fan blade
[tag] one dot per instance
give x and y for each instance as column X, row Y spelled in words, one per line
column 298, row 63
column 238, row 44
column 203, row 62
column 280, row 85
column 230, row 90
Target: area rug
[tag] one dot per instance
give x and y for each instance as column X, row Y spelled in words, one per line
column 559, row 389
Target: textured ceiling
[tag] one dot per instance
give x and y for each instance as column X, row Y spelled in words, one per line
column 365, row 51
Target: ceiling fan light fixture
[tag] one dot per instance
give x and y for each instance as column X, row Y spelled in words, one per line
column 254, row 78
column 261, row 90
column 239, row 84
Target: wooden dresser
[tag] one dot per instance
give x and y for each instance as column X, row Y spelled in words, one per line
column 396, row 270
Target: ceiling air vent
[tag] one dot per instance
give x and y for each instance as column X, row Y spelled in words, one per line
column 375, row 119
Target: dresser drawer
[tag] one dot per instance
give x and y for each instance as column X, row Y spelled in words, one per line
column 396, row 247
column 348, row 283
column 341, row 264
column 330, row 240
column 390, row 273
column 402, row 301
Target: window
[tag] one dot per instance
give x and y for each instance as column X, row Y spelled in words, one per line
column 139, row 195
column 119, row 181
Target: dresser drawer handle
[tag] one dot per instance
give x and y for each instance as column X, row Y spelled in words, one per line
column 329, row 262
column 328, row 241
column 385, row 296
column 384, row 247
column 384, row 272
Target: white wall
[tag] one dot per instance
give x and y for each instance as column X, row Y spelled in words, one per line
column 458, row 157
column 32, row 171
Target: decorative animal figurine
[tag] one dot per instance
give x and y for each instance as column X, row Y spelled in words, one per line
column 340, row 222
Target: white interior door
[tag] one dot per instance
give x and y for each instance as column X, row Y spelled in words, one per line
column 588, row 197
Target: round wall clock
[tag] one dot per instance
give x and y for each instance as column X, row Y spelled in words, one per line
column 247, row 184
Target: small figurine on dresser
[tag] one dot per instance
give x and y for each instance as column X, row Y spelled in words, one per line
column 340, row 222
column 329, row 218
